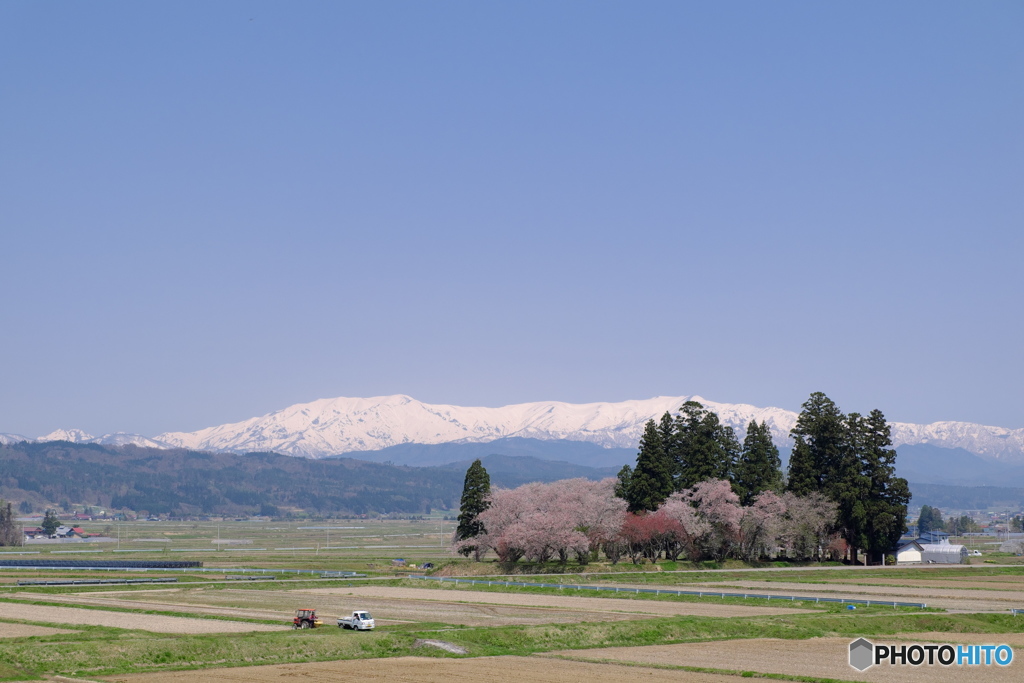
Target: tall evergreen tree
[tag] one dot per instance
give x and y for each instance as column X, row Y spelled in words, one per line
column 50, row 523
column 10, row 534
column 820, row 444
column 623, row 478
column 887, row 494
column 669, row 440
column 824, row 459
column 703, row 448
column 651, row 480
column 849, row 459
column 475, row 490
column 929, row 520
column 849, row 486
column 758, row 467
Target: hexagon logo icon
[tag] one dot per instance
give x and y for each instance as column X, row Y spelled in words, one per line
column 862, row 654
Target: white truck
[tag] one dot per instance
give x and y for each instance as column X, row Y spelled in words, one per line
column 360, row 621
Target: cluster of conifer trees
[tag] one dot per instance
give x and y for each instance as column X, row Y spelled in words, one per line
column 847, row 458
column 694, row 446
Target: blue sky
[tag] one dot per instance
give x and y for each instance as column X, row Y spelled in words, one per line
column 214, row 210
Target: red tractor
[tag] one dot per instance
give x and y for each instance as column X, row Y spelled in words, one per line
column 306, row 618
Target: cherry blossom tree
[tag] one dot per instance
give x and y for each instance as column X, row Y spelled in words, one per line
column 688, row 527
column 543, row 521
column 719, row 507
column 576, row 518
column 644, row 534
column 807, row 523
column 592, row 509
column 762, row 526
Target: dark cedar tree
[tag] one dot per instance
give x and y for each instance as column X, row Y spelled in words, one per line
column 651, row 481
column 703, row 448
column 475, row 492
column 758, row 467
column 819, row 446
column 887, row 495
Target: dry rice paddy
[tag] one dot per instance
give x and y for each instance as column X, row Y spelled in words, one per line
column 144, row 622
column 430, row 670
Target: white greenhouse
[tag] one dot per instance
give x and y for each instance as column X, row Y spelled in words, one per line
column 943, row 553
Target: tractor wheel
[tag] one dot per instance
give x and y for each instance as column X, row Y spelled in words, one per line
column 305, row 624
column 294, row 626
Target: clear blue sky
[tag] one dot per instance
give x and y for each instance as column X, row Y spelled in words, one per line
column 211, row 210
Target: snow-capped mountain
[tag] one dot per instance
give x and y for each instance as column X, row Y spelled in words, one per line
column 78, row 436
column 12, row 438
column 72, row 435
column 344, row 425
column 125, row 439
column 341, row 425
column 997, row 443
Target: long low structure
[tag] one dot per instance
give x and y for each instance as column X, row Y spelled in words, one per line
column 943, row 552
column 100, row 564
column 666, row 591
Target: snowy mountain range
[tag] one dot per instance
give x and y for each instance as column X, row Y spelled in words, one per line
column 345, row 425
column 78, row 436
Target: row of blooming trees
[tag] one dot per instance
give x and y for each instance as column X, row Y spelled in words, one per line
column 578, row 519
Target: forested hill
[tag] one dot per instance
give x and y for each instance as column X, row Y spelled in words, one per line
column 190, row 482
column 185, row 482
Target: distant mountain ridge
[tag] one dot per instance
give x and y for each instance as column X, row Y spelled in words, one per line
column 358, row 425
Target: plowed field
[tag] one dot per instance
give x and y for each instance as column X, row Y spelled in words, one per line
column 144, row 622
column 818, row 657
column 430, row 670
column 396, row 605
